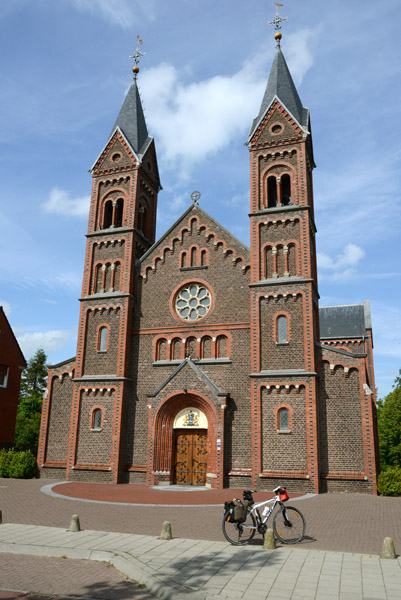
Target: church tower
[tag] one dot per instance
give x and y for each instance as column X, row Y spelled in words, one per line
column 122, row 225
column 283, row 288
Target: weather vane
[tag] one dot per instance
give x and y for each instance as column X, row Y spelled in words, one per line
column 277, row 22
column 138, row 54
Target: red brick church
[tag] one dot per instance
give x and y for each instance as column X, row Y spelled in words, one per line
column 201, row 361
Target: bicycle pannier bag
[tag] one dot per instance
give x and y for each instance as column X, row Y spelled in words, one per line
column 283, row 494
column 235, row 511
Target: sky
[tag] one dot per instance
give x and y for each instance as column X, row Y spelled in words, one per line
column 65, row 70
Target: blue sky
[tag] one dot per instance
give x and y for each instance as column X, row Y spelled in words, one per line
column 65, row 71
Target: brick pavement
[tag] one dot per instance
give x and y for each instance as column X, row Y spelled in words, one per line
column 204, row 570
column 341, row 522
column 61, row 577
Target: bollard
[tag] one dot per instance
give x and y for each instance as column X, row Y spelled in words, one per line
column 269, row 541
column 1, row 517
column 388, row 548
column 74, row 525
column 166, row 531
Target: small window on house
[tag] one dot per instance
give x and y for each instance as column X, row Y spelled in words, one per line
column 3, row 376
column 97, row 419
column 283, row 420
column 271, row 192
column 282, row 336
column 103, row 339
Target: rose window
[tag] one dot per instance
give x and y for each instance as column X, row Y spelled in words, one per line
column 193, row 302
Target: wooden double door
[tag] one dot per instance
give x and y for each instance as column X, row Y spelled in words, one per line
column 190, row 456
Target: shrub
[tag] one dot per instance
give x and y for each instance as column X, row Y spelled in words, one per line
column 19, row 465
column 389, row 482
column 5, row 457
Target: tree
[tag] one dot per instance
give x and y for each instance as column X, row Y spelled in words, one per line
column 33, row 385
column 389, row 426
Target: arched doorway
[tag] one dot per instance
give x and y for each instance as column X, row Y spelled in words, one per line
column 190, row 447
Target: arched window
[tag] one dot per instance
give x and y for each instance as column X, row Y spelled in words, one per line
column 119, row 213
column 193, row 257
column 108, row 214
column 206, row 347
column 221, row 346
column 183, row 260
column 271, row 192
column 285, row 190
column 102, row 344
column 283, row 419
column 97, row 419
column 203, row 258
column 161, row 350
column 190, row 347
column 282, row 334
column 176, row 349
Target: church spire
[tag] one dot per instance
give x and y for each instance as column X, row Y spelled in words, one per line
column 131, row 120
column 281, row 86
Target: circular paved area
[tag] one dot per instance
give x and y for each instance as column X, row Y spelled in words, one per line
column 173, row 495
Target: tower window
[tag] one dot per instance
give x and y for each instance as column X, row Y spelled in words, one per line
column 108, row 214
column 282, row 335
column 271, row 192
column 286, row 190
column 97, row 419
column 283, row 420
column 103, row 339
column 119, row 213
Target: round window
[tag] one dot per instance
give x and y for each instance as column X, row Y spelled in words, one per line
column 193, row 302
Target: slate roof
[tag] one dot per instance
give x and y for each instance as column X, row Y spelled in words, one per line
column 131, row 120
column 348, row 321
column 281, row 85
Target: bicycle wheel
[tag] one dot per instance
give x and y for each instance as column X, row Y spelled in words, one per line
column 240, row 533
column 289, row 525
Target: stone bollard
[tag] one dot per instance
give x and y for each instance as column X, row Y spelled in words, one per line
column 269, row 542
column 166, row 531
column 388, row 548
column 74, row 525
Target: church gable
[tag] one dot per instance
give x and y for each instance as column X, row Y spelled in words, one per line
column 196, row 274
column 277, row 126
column 116, row 156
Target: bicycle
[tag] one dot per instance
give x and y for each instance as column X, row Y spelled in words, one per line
column 288, row 523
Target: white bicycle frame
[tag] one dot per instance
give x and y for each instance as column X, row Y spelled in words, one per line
column 262, row 518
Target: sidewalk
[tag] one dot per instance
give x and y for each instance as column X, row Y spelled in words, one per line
column 198, row 570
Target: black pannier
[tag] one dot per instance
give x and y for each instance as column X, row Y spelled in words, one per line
column 235, row 511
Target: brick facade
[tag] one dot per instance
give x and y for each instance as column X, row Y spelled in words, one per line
column 198, row 325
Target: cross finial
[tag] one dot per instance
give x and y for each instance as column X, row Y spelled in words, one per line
column 136, row 56
column 277, row 23
column 195, row 197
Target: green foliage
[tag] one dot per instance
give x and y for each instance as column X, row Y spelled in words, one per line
column 389, row 426
column 33, row 385
column 26, row 435
column 389, row 482
column 5, row 457
column 34, row 377
column 18, row 465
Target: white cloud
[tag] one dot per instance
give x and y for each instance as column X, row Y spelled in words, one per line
column 299, row 52
column 6, row 307
column 122, row 13
column 344, row 262
column 50, row 341
column 60, row 202
column 198, row 119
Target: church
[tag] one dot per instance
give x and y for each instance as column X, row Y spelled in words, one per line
column 201, row 361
